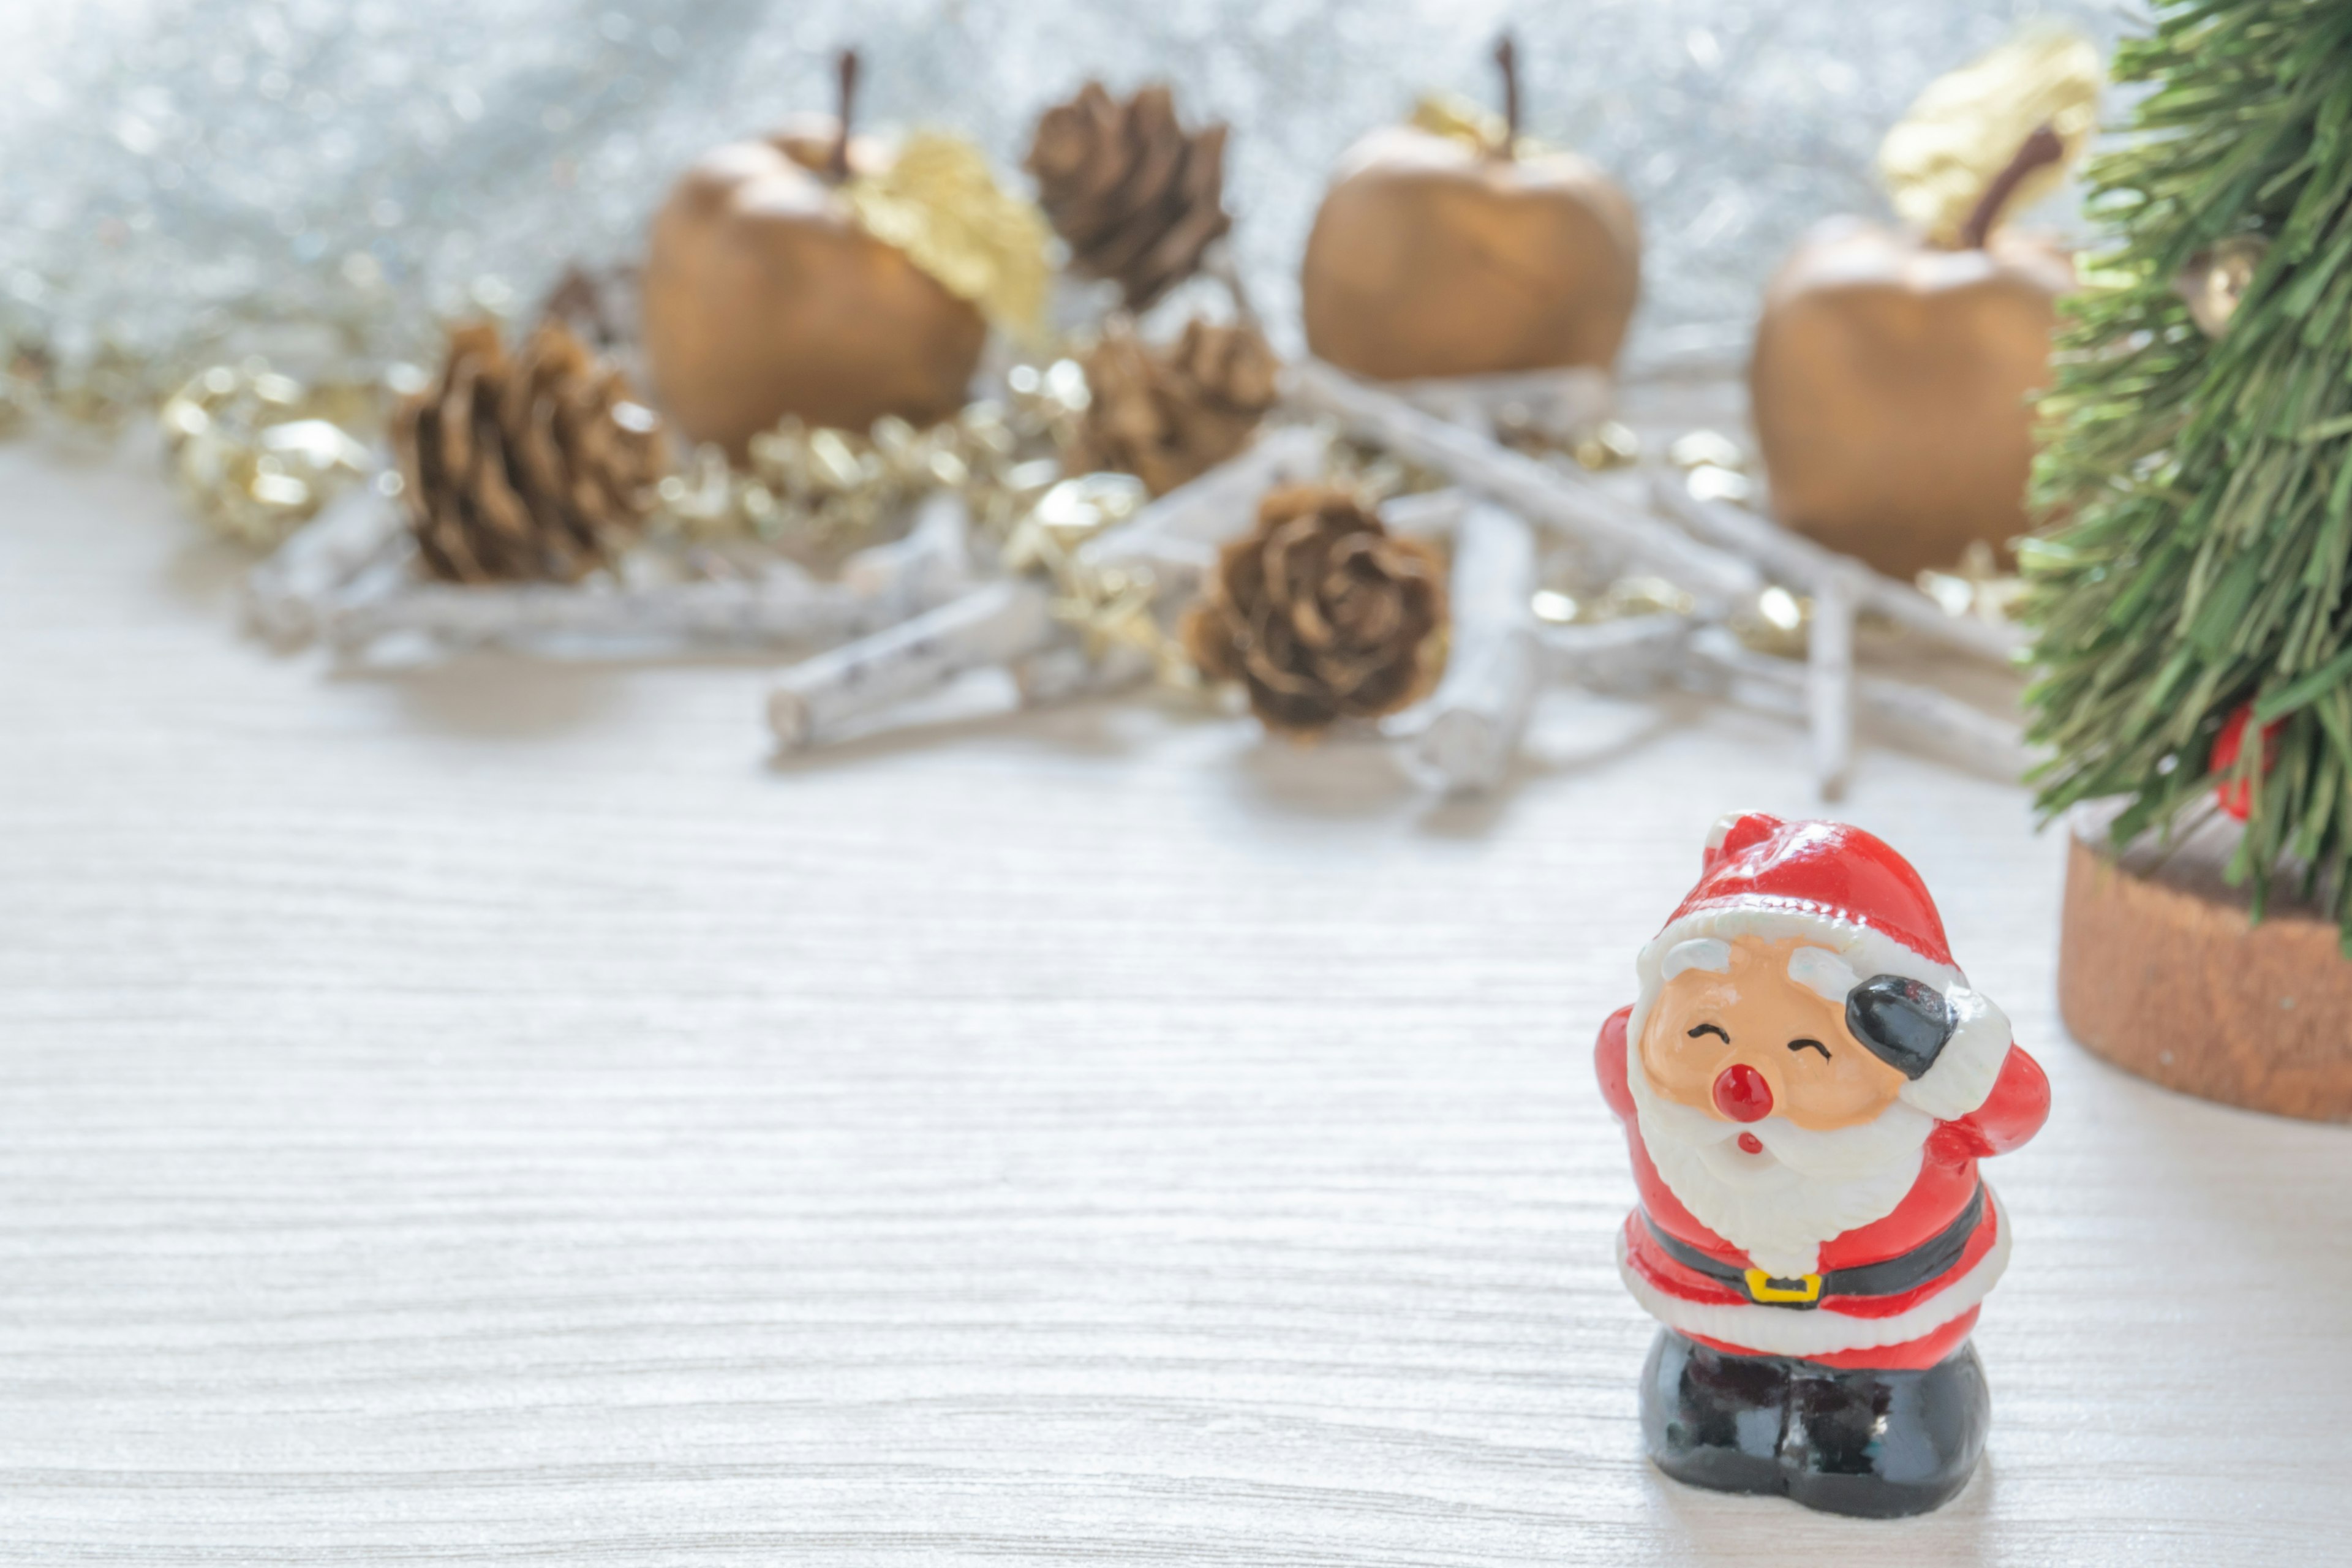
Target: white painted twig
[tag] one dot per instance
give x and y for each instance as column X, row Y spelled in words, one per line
column 1828, row 680
column 286, row 595
column 931, row 563
column 1919, row 717
column 783, row 605
column 816, row 700
column 1540, row 494
column 1636, row 654
column 1793, row 559
column 780, row 604
column 1066, row 670
column 1462, row 740
column 1931, row 721
column 1432, row 514
column 1558, row 405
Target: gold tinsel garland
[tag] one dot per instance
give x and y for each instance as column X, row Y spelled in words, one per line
column 825, row 491
column 255, row 454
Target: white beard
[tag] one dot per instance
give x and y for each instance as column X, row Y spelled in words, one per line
column 1806, row 1188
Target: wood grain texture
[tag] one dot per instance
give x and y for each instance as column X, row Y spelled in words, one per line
column 495, row 1116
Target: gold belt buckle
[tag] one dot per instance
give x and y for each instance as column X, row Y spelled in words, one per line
column 1763, row 1287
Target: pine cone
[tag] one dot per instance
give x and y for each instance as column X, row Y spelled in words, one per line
column 524, row 469
column 1166, row 416
column 599, row 304
column 1137, row 196
column 1322, row 614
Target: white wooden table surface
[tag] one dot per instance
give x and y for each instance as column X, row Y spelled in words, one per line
column 496, row 1116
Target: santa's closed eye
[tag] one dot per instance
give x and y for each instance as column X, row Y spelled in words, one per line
column 1809, row 1044
column 1716, row 1029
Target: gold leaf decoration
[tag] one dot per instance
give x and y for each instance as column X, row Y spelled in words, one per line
column 1466, row 121
column 1451, row 115
column 940, row 205
column 1967, row 126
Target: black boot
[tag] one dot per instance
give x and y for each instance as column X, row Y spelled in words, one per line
column 1884, row 1444
column 1714, row 1420
column 1876, row 1443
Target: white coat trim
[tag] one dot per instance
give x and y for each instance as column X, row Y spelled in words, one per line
column 1824, row 1331
column 1964, row 1073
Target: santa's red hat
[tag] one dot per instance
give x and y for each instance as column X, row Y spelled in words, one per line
column 1845, row 891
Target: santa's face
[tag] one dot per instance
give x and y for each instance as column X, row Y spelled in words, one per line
column 1760, row 1111
column 1750, row 1038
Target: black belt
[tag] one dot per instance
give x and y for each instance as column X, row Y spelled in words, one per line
column 1887, row 1277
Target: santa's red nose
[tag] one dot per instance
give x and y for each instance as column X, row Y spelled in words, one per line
column 1741, row 1093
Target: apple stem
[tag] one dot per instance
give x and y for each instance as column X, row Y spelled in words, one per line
column 846, row 70
column 1506, row 60
column 2043, row 148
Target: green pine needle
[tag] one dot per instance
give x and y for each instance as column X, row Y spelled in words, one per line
column 2198, row 491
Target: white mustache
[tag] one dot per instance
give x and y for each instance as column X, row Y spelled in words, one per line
column 1834, row 1155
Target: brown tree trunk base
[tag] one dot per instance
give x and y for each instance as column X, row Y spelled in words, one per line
column 2161, row 971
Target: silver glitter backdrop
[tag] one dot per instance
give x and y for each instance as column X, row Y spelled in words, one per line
column 381, row 161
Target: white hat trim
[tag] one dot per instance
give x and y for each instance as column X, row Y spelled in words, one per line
column 1824, row 1331
column 1965, row 1069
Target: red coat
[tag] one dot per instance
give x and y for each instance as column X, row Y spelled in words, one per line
column 1916, row 1329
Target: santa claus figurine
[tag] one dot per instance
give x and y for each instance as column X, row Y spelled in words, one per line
column 1808, row 1082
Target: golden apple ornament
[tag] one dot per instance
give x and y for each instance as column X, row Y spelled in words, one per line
column 1893, row 369
column 815, row 274
column 1448, row 248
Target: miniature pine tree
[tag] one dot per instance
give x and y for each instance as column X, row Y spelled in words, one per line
column 2196, row 573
